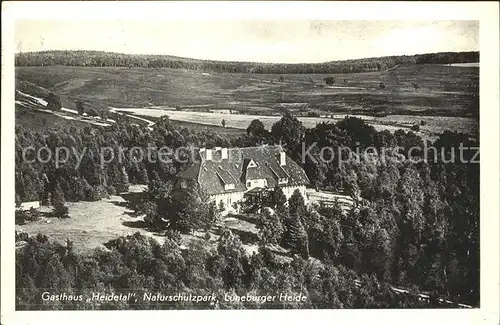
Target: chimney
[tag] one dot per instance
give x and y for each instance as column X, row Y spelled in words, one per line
column 224, row 153
column 282, row 158
column 208, row 155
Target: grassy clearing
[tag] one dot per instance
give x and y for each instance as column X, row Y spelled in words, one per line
column 41, row 121
column 92, row 224
column 227, row 132
column 434, row 125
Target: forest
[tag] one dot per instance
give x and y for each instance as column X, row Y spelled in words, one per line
column 109, row 59
column 413, row 224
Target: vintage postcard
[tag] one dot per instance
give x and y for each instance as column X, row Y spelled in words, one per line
column 249, row 156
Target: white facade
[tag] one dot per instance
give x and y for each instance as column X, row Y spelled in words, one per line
column 256, row 183
column 243, row 170
column 28, row 205
column 288, row 191
column 228, row 199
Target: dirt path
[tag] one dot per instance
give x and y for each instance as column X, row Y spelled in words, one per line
column 60, row 113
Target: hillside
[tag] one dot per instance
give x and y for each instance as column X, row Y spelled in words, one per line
column 108, row 59
column 442, row 90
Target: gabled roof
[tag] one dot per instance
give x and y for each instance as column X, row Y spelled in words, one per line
column 213, row 174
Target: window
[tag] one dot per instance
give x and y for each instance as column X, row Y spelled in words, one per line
column 184, row 184
column 249, row 184
column 283, row 180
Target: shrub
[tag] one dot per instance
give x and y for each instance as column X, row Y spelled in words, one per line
column 173, row 235
column 22, row 236
column 95, row 193
column 92, row 112
column 53, row 102
column 151, row 217
column 270, row 227
column 33, row 214
column 60, row 210
column 111, row 190
column 312, row 114
column 329, row 80
column 20, row 217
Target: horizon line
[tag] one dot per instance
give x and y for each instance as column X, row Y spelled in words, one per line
column 250, row 62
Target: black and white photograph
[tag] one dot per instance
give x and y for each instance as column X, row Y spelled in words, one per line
column 246, row 164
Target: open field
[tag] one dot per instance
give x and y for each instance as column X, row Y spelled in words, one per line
column 37, row 120
column 32, row 112
column 92, row 224
column 469, row 64
column 434, row 125
column 447, row 97
column 443, row 90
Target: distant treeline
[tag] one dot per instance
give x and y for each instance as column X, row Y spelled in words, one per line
column 109, row 59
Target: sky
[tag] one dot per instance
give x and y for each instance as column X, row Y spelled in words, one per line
column 287, row 41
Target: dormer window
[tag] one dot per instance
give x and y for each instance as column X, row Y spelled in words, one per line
column 283, row 180
column 252, row 164
column 184, row 184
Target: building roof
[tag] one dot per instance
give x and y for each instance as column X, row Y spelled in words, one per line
column 241, row 165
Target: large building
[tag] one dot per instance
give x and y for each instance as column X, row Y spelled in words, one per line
column 231, row 175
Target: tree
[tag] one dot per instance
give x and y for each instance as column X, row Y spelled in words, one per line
column 276, row 199
column 410, row 196
column 291, row 132
column 329, row 80
column 92, row 112
column 257, row 130
column 316, row 171
column 230, row 259
column 381, row 85
column 270, row 227
column 296, row 204
column 214, row 215
column 143, row 176
column 79, row 107
column 295, row 236
column 190, row 209
column 121, row 181
column 59, row 204
column 18, row 201
column 53, row 102
column 325, row 236
column 151, row 217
